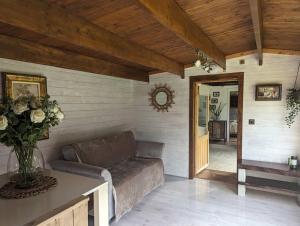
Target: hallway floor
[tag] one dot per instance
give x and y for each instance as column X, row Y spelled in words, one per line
column 183, row 202
column 223, row 157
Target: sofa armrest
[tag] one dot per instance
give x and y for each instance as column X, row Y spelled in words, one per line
column 149, row 149
column 88, row 171
column 81, row 169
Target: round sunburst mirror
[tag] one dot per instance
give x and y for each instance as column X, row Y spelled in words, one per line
column 161, row 97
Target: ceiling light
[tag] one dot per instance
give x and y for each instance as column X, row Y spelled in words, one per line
column 197, row 63
column 203, row 61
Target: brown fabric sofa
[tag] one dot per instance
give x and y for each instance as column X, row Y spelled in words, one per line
column 132, row 168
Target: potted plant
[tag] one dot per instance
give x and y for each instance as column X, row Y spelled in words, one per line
column 292, row 106
column 22, row 123
column 292, row 103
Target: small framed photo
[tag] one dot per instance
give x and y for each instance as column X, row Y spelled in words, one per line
column 216, row 94
column 212, row 107
column 214, row 100
column 268, row 92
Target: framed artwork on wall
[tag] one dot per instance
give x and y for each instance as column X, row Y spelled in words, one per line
column 212, row 107
column 214, row 100
column 268, row 92
column 17, row 85
column 216, row 94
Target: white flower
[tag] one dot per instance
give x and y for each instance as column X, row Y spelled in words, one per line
column 55, row 109
column 3, row 122
column 60, row 116
column 37, row 116
column 19, row 107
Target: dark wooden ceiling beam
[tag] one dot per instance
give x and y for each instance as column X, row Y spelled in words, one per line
column 18, row 49
column 169, row 14
column 256, row 15
column 60, row 28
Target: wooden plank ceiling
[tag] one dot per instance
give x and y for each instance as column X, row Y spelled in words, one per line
column 227, row 23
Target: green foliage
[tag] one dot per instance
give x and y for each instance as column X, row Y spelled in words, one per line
column 217, row 111
column 292, row 106
column 21, row 131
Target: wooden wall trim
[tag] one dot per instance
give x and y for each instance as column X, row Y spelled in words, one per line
column 17, row 49
column 239, row 77
column 240, row 54
column 265, row 50
column 282, row 51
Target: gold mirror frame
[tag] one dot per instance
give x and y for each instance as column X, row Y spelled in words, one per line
column 170, row 97
column 10, row 78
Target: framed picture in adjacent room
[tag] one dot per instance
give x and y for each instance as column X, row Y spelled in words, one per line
column 268, row 92
column 17, row 85
column 214, row 100
column 212, row 107
column 216, row 94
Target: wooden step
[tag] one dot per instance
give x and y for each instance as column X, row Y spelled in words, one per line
column 275, row 186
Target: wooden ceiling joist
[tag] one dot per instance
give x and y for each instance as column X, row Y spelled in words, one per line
column 256, row 15
column 56, row 27
column 18, row 49
column 169, row 14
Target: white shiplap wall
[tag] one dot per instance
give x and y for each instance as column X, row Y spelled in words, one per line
column 268, row 140
column 96, row 105
column 93, row 105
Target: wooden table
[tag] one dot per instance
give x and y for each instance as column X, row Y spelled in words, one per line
column 266, row 184
column 18, row 212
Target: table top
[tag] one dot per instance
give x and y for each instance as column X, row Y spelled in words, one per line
column 18, row 212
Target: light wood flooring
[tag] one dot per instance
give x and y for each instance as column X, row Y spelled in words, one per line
column 198, row 202
column 223, row 157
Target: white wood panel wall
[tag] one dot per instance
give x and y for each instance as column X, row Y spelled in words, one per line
column 269, row 139
column 99, row 105
column 93, row 105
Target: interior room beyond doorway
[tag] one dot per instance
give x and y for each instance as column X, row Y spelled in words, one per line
column 222, row 127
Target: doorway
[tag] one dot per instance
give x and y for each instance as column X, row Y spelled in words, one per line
column 206, row 151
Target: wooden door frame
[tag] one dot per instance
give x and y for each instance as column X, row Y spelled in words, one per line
column 239, row 77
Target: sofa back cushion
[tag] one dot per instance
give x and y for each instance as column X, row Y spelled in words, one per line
column 95, row 152
column 69, row 153
column 103, row 152
column 123, row 146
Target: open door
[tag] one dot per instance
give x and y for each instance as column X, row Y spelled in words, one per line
column 201, row 116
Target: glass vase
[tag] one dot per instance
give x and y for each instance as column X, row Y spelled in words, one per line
column 25, row 165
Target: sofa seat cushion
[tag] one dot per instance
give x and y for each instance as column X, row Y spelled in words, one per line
column 133, row 179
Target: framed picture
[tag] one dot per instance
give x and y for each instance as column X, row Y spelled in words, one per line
column 16, row 85
column 268, row 92
column 212, row 107
column 214, row 100
column 216, row 94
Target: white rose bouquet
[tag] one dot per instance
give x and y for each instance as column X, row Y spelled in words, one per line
column 22, row 123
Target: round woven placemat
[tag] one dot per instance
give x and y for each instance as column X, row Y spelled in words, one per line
column 41, row 185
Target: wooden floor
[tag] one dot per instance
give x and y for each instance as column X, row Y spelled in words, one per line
column 198, row 202
column 216, row 175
